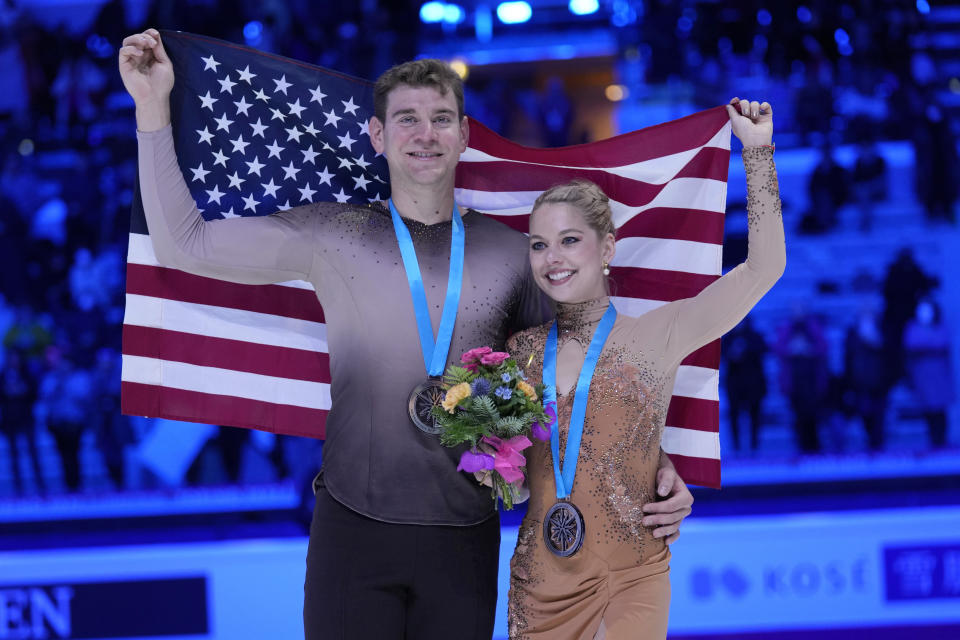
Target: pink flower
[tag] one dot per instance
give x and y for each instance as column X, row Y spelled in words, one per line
column 475, row 354
column 494, row 359
column 472, row 367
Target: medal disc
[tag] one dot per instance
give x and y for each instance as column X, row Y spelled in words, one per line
column 563, row 529
column 424, row 397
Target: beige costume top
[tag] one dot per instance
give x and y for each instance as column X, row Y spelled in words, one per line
column 617, row 584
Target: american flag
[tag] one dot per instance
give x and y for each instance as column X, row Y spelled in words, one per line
column 256, row 132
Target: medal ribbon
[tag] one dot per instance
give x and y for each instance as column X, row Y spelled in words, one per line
column 564, row 477
column 434, row 352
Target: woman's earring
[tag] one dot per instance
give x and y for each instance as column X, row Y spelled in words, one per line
column 606, row 269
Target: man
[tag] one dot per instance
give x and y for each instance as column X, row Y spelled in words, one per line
column 401, row 545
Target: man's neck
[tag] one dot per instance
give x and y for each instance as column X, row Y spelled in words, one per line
column 426, row 206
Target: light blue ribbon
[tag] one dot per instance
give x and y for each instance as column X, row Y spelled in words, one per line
column 434, row 352
column 564, row 478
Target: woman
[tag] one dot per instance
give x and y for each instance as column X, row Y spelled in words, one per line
column 595, row 570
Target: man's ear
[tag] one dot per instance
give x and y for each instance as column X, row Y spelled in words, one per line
column 465, row 132
column 375, row 127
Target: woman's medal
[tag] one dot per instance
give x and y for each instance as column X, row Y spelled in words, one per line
column 430, row 393
column 563, row 526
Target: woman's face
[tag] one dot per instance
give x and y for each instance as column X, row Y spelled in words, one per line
column 566, row 255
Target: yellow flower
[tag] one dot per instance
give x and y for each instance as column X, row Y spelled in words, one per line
column 527, row 390
column 455, row 394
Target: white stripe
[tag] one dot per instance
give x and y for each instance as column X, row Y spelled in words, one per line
column 140, row 251
column 239, row 384
column 635, row 307
column 702, row 194
column 697, row 382
column 222, row 322
column 690, row 442
column 669, row 255
column 653, row 171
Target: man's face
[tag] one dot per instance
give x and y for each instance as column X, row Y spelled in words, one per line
column 422, row 138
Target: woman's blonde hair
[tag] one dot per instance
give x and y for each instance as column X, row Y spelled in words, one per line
column 588, row 198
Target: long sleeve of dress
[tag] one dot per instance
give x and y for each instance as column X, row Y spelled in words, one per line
column 251, row 250
column 697, row 321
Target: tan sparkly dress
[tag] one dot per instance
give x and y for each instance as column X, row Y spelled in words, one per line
column 617, row 585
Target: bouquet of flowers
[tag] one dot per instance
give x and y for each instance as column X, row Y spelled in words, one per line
column 490, row 405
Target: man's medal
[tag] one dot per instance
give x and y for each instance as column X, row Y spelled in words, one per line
column 430, row 393
column 563, row 526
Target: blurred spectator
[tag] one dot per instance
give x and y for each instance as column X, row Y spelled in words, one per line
column 18, row 393
column 66, row 404
column 78, row 89
column 804, row 376
column 935, row 151
column 904, row 285
column 866, row 376
column 869, row 181
column 927, row 347
column 113, row 430
column 743, row 352
column 828, row 191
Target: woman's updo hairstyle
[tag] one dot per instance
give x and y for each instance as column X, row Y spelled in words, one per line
column 586, row 197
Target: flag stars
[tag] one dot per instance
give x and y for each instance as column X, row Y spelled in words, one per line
column 341, row 197
column 306, row 193
column 284, row 206
column 235, row 180
column 246, row 75
column 260, row 95
column 242, row 106
column 258, row 128
column 239, row 145
column 309, row 128
column 205, row 135
column 249, row 203
column 229, row 214
column 360, row 182
column 274, row 150
column 316, row 95
column 200, row 173
column 206, row 101
column 346, row 141
column 210, row 63
column 309, row 154
column 290, row 172
column 360, row 162
column 270, row 189
column 345, row 163
column 220, row 159
column 364, row 128
column 277, row 114
column 255, row 166
column 223, row 123
column 349, row 106
column 332, row 118
column 226, row 84
column 282, row 84
column 293, row 134
column 215, row 194
column 295, row 108
column 325, row 177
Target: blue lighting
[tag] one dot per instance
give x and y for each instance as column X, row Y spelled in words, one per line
column 514, row 12
column 252, row 31
column 584, row 7
column 842, row 37
column 432, row 12
column 764, row 18
column 454, row 14
column 804, row 15
column 923, row 6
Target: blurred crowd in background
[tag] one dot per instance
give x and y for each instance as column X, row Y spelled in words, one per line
column 849, row 73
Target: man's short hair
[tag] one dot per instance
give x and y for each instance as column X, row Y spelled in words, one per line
column 428, row 72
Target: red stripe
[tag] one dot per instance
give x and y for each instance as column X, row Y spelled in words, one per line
column 519, row 223
column 161, row 282
column 704, row 472
column 507, row 175
column 706, row 356
column 653, row 142
column 694, row 413
column 238, row 355
column 657, row 284
column 675, row 224
column 192, row 406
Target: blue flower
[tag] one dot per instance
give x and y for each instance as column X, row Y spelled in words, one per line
column 480, row 387
column 505, row 377
column 503, row 392
column 521, row 375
